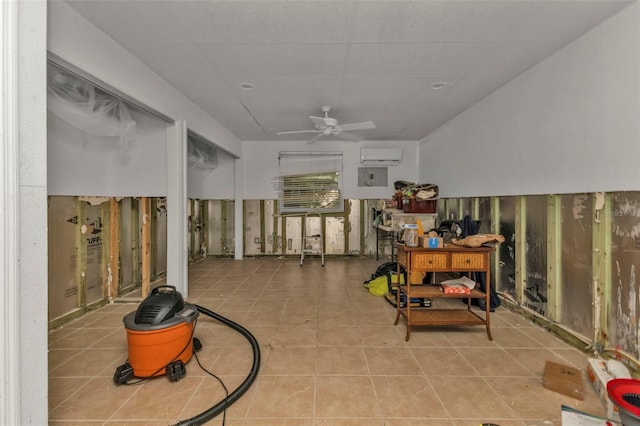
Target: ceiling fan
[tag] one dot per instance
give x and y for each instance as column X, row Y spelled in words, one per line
column 327, row 126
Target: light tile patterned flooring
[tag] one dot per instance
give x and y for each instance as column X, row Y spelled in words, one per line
column 330, row 356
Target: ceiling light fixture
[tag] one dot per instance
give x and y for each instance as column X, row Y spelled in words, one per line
column 438, row 85
column 247, row 86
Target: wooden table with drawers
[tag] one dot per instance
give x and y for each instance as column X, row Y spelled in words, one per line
column 451, row 258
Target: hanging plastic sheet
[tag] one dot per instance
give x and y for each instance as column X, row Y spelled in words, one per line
column 90, row 110
column 200, row 154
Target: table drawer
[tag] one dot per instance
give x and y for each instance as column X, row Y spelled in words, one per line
column 429, row 261
column 467, row 261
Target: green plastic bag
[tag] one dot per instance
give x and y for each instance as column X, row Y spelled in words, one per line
column 379, row 286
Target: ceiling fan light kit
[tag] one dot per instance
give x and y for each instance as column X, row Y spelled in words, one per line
column 328, row 126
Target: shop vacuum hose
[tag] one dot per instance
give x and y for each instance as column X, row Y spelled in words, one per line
column 216, row 409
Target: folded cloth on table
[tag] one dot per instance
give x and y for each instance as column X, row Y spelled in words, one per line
column 462, row 285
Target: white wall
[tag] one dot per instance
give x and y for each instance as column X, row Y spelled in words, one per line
column 75, row 40
column 568, row 125
column 85, row 164
column 215, row 184
column 23, row 215
column 260, row 164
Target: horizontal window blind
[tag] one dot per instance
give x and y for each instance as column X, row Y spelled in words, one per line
column 310, row 182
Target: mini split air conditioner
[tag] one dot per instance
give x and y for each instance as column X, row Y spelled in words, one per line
column 380, row 156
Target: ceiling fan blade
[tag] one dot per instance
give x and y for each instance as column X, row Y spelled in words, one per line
column 347, row 136
column 315, row 138
column 298, row 131
column 318, row 121
column 363, row 125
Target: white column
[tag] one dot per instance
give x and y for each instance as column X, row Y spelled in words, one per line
column 23, row 213
column 10, row 337
column 177, row 246
column 239, row 209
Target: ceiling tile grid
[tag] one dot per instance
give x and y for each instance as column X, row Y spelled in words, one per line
column 407, row 65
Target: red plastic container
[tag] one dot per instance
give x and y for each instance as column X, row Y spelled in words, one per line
column 411, row 205
column 625, row 394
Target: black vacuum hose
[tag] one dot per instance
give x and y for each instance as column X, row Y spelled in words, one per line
column 216, row 409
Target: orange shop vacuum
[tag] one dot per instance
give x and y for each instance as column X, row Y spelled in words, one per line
column 159, row 337
column 160, row 342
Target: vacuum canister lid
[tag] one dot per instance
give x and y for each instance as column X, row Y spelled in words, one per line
column 164, row 307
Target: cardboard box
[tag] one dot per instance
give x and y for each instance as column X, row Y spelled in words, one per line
column 599, row 376
column 563, row 379
column 430, row 242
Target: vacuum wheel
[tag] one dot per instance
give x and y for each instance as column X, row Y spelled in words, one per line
column 123, row 374
column 175, row 371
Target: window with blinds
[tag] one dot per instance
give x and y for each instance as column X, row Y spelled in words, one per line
column 310, row 181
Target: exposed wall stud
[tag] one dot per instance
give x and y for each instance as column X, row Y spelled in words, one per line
column 495, row 229
column 475, row 207
column 554, row 257
column 276, row 232
column 135, row 242
column 601, row 268
column 262, row 228
column 364, row 225
column 114, row 249
column 146, row 246
column 521, row 247
column 346, row 227
column 81, row 247
column 153, row 249
column 223, row 227
column 204, row 214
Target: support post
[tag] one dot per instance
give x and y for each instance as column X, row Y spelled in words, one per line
column 177, row 264
column 238, row 212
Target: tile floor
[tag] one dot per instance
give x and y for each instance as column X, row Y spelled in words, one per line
column 330, row 356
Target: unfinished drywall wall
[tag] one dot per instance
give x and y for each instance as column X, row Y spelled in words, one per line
column 560, row 127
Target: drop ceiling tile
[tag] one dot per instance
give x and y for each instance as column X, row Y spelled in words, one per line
column 265, row 21
column 481, row 21
column 283, row 59
column 378, row 21
column 316, row 90
column 393, row 88
column 368, row 60
column 415, row 59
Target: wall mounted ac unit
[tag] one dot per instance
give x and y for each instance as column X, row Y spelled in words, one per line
column 380, row 156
